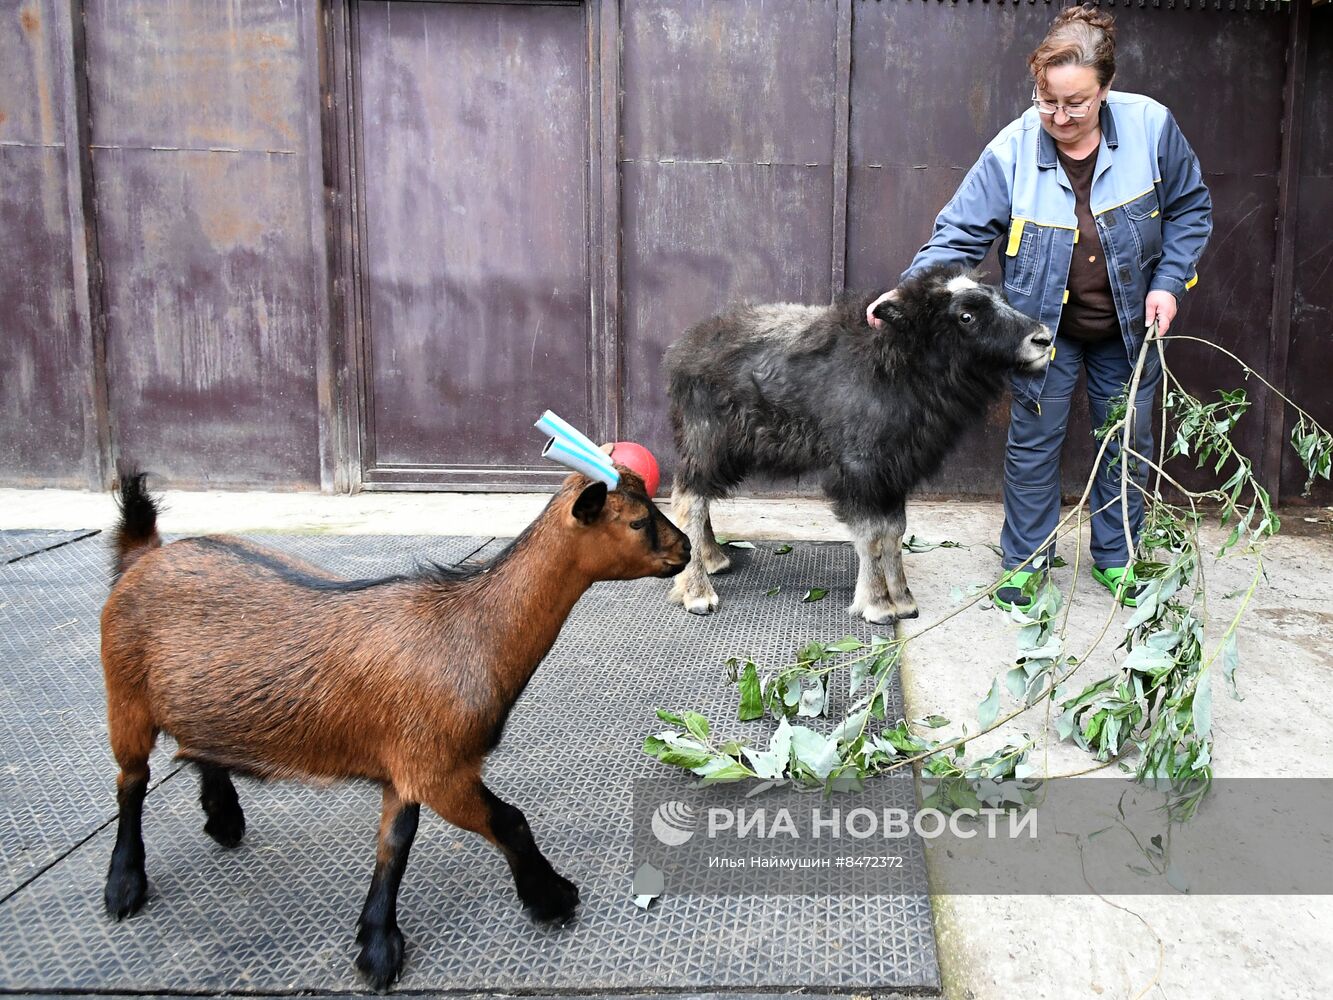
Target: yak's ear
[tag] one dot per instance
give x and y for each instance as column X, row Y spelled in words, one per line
column 889, row 310
column 588, row 507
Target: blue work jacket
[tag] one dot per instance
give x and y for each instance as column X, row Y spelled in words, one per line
column 1152, row 210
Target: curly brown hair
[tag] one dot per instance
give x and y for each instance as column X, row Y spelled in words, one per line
column 1079, row 36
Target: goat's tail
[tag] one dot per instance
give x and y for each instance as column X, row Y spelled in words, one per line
column 136, row 531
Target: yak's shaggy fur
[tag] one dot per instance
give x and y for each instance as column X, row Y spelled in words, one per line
column 792, row 389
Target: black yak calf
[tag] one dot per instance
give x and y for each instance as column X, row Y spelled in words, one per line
column 791, row 389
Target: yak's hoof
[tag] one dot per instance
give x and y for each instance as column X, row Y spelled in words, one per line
column 702, row 605
column 381, row 957
column 126, row 892
column 875, row 613
column 913, row 612
column 226, row 828
column 716, row 561
column 552, row 901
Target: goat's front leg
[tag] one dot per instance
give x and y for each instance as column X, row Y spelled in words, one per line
column 381, row 957
column 891, row 552
column 872, row 601
column 691, row 588
column 469, row 804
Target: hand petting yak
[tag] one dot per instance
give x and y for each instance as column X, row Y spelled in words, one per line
column 792, row 389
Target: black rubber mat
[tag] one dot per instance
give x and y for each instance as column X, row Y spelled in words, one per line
column 278, row 914
column 19, row 543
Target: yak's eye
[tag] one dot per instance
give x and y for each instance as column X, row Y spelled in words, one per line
column 640, row 524
column 965, row 318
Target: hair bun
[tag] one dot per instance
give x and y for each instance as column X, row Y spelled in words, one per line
column 1088, row 15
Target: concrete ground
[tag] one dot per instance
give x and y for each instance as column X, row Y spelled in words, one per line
column 991, row 946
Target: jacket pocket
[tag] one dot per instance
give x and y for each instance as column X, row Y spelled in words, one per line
column 1145, row 226
column 1020, row 258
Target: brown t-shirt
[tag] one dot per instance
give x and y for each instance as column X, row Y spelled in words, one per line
column 1090, row 312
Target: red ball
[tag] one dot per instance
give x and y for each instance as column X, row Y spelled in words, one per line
column 639, row 459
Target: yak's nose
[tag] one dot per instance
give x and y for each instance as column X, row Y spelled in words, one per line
column 1042, row 338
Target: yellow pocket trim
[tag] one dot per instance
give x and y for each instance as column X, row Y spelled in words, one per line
column 1066, row 298
column 1192, row 282
column 1075, row 237
column 1015, row 237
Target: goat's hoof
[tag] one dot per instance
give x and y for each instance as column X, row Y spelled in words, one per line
column 226, row 828
column 716, row 561
column 381, row 958
column 553, row 900
column 911, row 612
column 126, row 892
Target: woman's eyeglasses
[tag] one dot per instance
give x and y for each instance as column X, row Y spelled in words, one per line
column 1050, row 107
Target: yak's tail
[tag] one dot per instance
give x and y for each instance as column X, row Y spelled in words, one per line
column 136, row 531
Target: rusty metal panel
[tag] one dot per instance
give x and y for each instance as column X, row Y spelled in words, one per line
column 45, row 368
column 921, row 114
column 201, row 145
column 474, row 123
column 1310, row 362
column 726, row 174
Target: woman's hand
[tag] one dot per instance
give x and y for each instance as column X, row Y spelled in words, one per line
column 874, row 321
column 1159, row 306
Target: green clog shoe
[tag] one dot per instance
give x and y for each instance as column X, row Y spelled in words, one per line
column 1119, row 580
column 1014, row 590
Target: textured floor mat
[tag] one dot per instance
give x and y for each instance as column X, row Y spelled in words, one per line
column 278, row 914
column 19, row 543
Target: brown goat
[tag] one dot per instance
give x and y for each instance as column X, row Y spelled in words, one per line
column 265, row 665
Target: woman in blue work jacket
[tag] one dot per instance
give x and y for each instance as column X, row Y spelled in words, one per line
column 1102, row 214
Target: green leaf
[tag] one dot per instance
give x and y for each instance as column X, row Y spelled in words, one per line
column 814, row 594
column 933, row 721
column 847, row 644
column 752, row 694
column 720, row 771
column 772, row 591
column 741, row 545
column 1202, row 705
column 815, row 752
column 696, row 724
column 813, row 697
column 1016, row 680
column 989, row 709
column 782, row 550
column 1229, row 661
column 670, row 717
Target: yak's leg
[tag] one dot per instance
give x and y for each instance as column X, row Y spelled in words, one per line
column 381, row 956
column 691, row 587
column 132, row 737
column 715, row 556
column 226, row 821
column 891, row 552
column 469, row 804
column 872, row 601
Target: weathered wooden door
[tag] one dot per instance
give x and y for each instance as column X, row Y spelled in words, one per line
column 473, row 153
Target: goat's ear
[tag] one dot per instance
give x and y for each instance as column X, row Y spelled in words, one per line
column 588, row 507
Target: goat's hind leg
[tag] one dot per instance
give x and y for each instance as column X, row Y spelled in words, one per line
column 132, row 737
column 691, row 587
column 381, row 957
column 226, row 820
column 468, row 803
